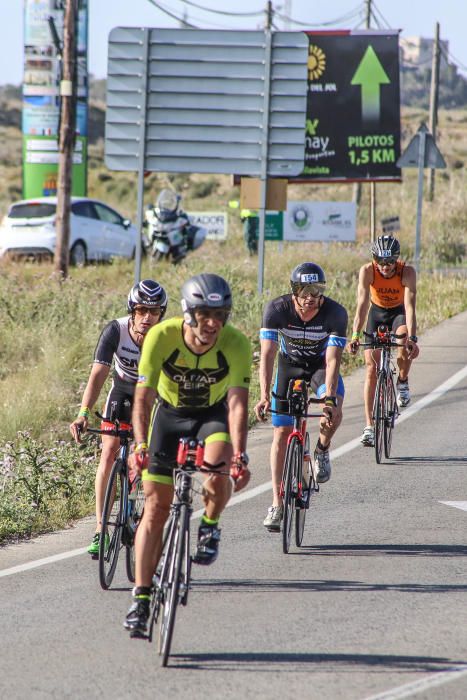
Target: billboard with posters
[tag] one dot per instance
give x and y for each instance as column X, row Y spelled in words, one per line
column 353, row 106
column 41, row 101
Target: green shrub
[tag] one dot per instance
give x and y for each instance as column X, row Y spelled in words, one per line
column 43, row 487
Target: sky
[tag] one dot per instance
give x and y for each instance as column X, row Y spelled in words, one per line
column 412, row 17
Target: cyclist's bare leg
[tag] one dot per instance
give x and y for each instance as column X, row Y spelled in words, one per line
column 278, row 450
column 110, row 448
column 403, row 360
column 326, row 431
column 148, row 541
column 371, row 361
column 217, row 489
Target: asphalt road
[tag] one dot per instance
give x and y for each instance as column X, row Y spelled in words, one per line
column 372, row 606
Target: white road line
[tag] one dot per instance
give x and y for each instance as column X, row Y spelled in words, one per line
column 456, row 504
column 41, row 562
column 410, row 689
column 252, row 493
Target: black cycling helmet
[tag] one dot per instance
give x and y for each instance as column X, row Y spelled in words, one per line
column 206, row 290
column 147, row 293
column 385, row 247
column 308, row 273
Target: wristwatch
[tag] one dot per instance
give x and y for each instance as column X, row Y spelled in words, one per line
column 243, row 458
column 330, row 400
column 413, row 338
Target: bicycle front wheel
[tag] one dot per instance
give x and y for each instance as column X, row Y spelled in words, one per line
column 113, row 518
column 176, row 555
column 378, row 415
column 136, row 507
column 305, row 476
column 390, row 415
column 292, row 467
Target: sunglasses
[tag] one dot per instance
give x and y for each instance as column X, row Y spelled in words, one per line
column 307, row 290
column 385, row 261
column 151, row 310
column 204, row 312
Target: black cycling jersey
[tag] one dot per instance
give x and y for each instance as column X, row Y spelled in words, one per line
column 304, row 343
column 116, row 343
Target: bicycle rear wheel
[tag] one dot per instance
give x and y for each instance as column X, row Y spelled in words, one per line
column 293, row 462
column 306, row 480
column 176, row 555
column 136, row 507
column 390, row 415
column 113, row 519
column 379, row 410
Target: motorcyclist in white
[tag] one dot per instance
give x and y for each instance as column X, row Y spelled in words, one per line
column 170, row 231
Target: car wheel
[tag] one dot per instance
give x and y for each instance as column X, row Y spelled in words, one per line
column 78, row 256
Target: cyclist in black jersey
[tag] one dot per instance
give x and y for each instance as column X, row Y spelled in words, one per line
column 198, row 368
column 309, row 330
column 120, row 342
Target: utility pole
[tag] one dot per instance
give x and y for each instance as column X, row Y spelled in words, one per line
column 434, row 92
column 66, row 141
column 269, row 15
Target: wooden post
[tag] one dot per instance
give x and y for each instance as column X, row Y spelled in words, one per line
column 66, row 142
column 434, row 92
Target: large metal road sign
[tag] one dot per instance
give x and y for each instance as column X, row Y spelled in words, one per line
column 206, row 101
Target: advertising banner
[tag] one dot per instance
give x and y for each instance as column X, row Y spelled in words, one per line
column 313, row 221
column 320, row 221
column 215, row 222
column 41, row 100
column 353, row 107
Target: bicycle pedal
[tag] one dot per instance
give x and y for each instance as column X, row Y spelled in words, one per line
column 95, row 557
column 137, row 634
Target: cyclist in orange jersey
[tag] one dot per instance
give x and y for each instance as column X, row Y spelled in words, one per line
column 387, row 288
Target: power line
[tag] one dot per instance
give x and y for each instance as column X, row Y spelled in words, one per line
column 347, row 17
column 223, row 12
column 381, row 16
column 170, row 14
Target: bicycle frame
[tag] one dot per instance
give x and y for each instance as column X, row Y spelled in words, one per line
column 384, row 411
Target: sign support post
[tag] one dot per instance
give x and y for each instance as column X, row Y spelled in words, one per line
column 418, row 227
column 264, row 158
column 141, row 155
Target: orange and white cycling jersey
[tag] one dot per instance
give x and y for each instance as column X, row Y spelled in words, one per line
column 387, row 292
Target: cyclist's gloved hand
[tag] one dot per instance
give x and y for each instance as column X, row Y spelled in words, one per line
column 78, row 428
column 139, row 457
column 262, row 408
column 354, row 343
column 239, row 470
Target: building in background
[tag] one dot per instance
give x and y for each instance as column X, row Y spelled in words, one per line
column 41, row 98
column 417, row 52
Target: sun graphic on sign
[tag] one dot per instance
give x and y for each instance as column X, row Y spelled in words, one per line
column 316, row 62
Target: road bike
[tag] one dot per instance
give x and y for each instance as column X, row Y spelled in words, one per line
column 385, row 409
column 171, row 582
column 298, row 482
column 123, row 505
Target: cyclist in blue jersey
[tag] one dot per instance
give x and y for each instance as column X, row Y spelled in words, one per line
column 309, row 331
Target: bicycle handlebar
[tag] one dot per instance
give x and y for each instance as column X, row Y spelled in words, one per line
column 381, row 341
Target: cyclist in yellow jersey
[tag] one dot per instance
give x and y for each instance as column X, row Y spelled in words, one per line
column 388, row 288
column 198, row 369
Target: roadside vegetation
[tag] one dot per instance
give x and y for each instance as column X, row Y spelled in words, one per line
column 49, row 329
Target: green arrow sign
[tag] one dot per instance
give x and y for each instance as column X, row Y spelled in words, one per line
column 370, row 74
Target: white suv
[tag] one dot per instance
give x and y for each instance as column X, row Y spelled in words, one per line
column 97, row 232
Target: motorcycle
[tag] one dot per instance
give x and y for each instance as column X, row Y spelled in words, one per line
column 169, row 232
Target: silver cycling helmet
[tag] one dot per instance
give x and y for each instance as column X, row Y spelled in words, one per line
column 147, row 293
column 208, row 291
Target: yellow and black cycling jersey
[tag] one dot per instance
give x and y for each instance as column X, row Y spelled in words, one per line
column 186, row 380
